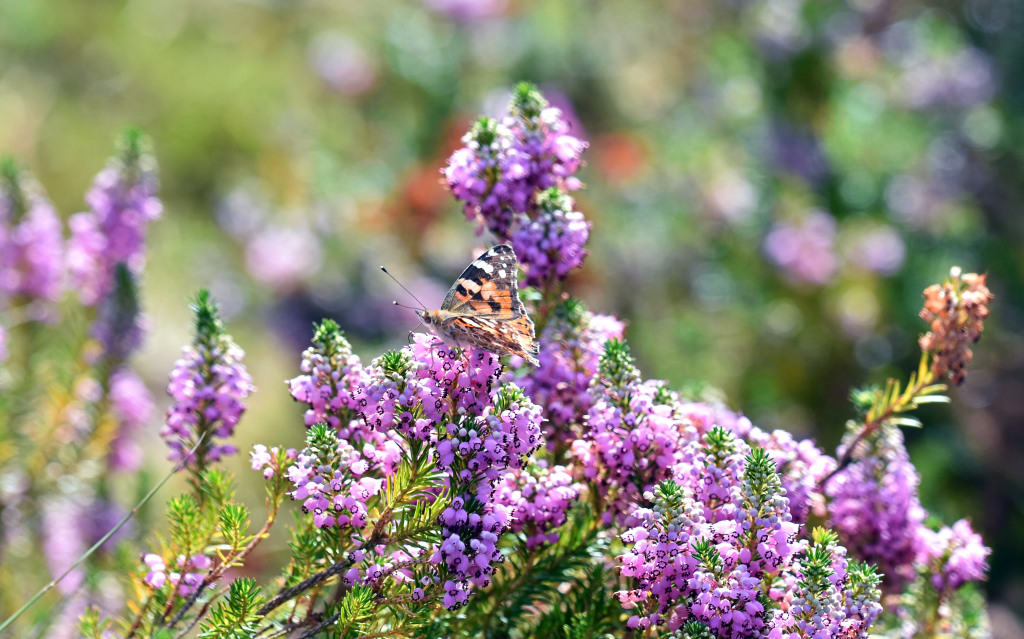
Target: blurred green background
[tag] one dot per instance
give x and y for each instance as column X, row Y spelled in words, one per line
column 772, row 183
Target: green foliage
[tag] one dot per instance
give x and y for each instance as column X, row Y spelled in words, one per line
column 217, row 485
column 719, row 443
column 617, row 372
column 91, row 626
column 706, row 553
column 411, row 503
column 354, row 611
column 508, row 395
column 235, row 618
column 208, row 325
column 527, row 102
column 11, row 187
column 817, row 564
column 190, row 525
column 695, row 630
column 589, row 608
column 539, row 592
column 395, row 363
column 234, row 524
column 329, row 340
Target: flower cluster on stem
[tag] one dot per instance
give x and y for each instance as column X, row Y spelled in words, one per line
column 632, row 436
column 31, row 260
column 512, row 177
column 122, row 203
column 208, row 386
column 571, row 345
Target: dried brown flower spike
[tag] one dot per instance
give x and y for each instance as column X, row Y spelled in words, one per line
column 956, row 311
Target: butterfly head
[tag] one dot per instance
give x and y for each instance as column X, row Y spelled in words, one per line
column 430, row 318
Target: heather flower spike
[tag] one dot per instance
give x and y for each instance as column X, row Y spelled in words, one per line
column 118, row 327
column 30, row 242
column 122, row 203
column 208, row 386
column 513, row 176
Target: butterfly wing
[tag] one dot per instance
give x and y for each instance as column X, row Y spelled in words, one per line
column 487, row 287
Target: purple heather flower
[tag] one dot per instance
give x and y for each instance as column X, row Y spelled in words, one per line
column 719, row 554
column 503, row 169
column 186, row 579
column 475, row 432
column 207, row 385
column 874, row 505
column 805, row 252
column 800, row 463
column 331, row 480
column 632, row 436
column 538, row 499
column 30, row 240
column 710, row 548
column 571, row 345
column 331, row 378
column 122, row 202
column 434, row 392
column 550, row 245
column 132, row 405
column 826, row 595
column 952, row 556
column 3, row 344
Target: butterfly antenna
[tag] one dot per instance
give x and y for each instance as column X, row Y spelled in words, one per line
column 422, row 305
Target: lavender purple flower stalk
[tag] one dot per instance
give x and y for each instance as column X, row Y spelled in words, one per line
column 122, row 203
column 208, row 385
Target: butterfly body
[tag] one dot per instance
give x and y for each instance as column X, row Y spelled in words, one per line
column 483, row 309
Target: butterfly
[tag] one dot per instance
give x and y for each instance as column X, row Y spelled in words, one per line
column 483, row 309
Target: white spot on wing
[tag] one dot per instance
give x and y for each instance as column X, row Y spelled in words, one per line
column 501, row 273
column 483, row 266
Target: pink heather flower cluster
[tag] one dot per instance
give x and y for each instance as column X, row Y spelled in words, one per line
column 709, row 549
column 551, row 245
column 829, row 595
column 448, row 398
column 331, row 377
column 719, row 551
column 874, row 505
column 503, row 175
column 122, row 203
column 30, row 241
column 632, row 435
column 538, row 499
column 952, row 556
column 426, row 393
column 207, row 385
column 800, row 463
column 267, row 460
column 330, row 479
column 186, row 580
column 469, row 548
column 571, row 345
column 629, row 447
